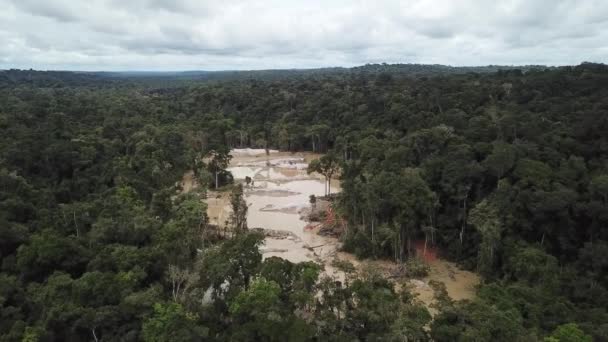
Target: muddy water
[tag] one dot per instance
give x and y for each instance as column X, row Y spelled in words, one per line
column 280, row 190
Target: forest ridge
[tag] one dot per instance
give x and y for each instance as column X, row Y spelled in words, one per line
column 411, row 70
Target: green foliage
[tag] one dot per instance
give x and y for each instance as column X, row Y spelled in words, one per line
column 328, row 165
column 48, row 251
column 170, row 322
column 599, row 187
column 411, row 324
column 501, row 169
column 533, row 266
column 238, row 216
column 343, row 265
column 294, row 279
column 568, row 333
column 477, row 321
column 230, row 267
column 218, row 162
column 31, row 334
column 258, row 312
column 416, row 268
column 486, row 219
column 359, row 244
column 501, row 160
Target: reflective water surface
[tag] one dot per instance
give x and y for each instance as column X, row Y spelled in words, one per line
column 281, row 188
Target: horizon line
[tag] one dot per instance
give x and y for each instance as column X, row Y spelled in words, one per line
column 295, row 68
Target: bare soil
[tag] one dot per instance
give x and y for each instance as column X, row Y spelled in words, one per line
column 279, row 203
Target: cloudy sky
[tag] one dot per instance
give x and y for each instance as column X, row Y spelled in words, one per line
column 227, row 34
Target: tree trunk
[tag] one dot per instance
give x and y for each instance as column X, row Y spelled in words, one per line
column 397, row 245
column 363, row 221
column 216, row 179
column 373, row 227
column 75, row 223
column 439, row 106
column 542, row 239
column 432, row 230
column 401, row 244
column 409, row 244
column 426, row 238
column 464, row 219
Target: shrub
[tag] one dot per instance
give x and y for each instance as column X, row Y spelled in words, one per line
column 416, row 267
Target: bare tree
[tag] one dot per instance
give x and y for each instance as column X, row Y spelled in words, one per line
column 181, row 281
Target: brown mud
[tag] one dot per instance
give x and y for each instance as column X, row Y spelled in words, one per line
column 279, row 201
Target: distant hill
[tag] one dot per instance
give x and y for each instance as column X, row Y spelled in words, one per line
column 92, row 78
column 400, row 69
column 437, row 69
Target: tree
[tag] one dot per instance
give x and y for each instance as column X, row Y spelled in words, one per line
column 181, row 237
column 170, row 322
column 238, row 216
column 377, row 304
column 48, row 252
column 205, row 178
column 533, row 266
column 328, row 166
column 91, row 218
column 297, row 281
column 533, row 174
column 229, row 267
column 568, row 333
column 486, row 219
column 413, row 202
column 258, row 313
column 218, row 162
column 161, row 204
column 181, row 281
column 316, row 134
column 501, row 160
column 599, row 187
column 411, row 325
column 476, row 321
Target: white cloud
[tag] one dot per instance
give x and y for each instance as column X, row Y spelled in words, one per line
column 212, row 35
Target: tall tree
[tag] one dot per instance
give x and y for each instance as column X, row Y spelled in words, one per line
column 218, row 162
column 328, row 165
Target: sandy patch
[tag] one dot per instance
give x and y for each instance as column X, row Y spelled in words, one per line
column 250, row 152
column 188, row 182
column 280, row 191
column 460, row 284
column 218, row 208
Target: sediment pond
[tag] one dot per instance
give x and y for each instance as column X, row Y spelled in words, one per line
column 280, row 191
column 278, row 195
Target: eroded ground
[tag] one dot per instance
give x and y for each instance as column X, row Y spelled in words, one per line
column 280, row 190
column 279, row 196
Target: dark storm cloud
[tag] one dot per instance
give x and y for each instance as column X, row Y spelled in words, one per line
column 195, row 34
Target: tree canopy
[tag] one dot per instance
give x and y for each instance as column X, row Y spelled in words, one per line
column 502, row 170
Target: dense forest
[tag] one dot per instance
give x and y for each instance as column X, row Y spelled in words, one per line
column 502, row 170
